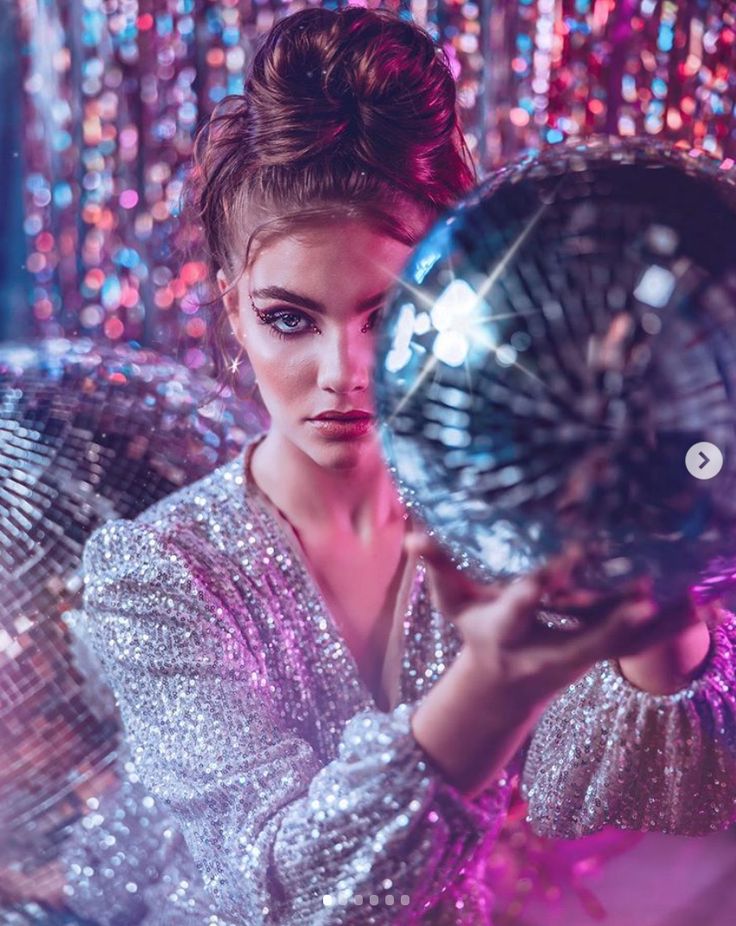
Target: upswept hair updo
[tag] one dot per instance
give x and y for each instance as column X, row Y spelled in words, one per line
column 343, row 112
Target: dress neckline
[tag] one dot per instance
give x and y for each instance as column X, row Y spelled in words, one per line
column 282, row 526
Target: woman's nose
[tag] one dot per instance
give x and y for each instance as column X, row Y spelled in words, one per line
column 346, row 361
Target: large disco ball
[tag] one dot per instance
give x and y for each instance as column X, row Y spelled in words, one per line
column 558, row 363
column 87, row 433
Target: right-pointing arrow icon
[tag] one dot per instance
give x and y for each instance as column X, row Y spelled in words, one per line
column 704, row 460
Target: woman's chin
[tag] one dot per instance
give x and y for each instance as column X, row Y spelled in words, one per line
column 345, row 454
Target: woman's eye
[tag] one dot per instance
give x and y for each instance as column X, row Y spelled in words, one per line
column 288, row 320
column 286, row 323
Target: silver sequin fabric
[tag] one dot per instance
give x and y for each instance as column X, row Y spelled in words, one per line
column 276, row 791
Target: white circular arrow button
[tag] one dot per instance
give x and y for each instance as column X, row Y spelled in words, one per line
column 704, row 460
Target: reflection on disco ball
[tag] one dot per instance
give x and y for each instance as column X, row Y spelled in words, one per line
column 87, row 433
column 555, row 346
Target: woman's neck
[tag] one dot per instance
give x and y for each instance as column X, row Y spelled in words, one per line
column 357, row 501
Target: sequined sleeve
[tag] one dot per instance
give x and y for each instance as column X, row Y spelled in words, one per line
column 279, row 837
column 606, row 752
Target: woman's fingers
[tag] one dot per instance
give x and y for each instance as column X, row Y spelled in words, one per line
column 513, row 613
column 462, row 600
column 592, row 606
column 627, row 629
column 501, row 625
column 451, row 588
column 503, row 614
column 555, row 574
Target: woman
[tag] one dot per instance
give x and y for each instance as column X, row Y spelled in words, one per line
column 329, row 711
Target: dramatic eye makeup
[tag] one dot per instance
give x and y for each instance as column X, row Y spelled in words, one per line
column 289, row 322
column 293, row 322
column 373, row 319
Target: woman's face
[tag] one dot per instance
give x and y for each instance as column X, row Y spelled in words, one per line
column 306, row 313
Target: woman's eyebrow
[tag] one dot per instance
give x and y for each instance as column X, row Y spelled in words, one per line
column 279, row 292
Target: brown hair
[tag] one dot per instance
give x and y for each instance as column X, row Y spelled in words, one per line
column 342, row 110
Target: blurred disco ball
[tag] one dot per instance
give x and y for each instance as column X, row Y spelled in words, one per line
column 87, row 433
column 555, row 346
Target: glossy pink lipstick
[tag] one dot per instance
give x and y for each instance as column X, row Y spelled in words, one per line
column 343, row 425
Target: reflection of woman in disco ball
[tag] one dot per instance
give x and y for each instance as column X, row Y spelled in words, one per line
column 326, row 707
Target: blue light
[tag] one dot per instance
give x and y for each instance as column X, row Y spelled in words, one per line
column 665, row 37
column 63, row 195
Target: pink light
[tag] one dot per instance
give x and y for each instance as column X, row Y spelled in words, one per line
column 129, row 199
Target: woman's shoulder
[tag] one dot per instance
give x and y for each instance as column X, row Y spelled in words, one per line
column 191, row 517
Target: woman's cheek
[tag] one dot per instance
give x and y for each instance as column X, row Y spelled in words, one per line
column 285, row 372
column 267, row 353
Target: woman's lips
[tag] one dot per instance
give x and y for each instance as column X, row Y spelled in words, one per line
column 345, row 428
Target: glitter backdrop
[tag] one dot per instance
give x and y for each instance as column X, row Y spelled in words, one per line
column 113, row 91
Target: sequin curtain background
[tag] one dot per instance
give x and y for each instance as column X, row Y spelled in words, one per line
column 113, row 90
column 100, row 103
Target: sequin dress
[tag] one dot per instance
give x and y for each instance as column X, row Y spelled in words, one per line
column 279, row 792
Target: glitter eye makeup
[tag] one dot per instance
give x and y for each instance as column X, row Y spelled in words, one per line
column 373, row 320
column 285, row 315
column 273, row 317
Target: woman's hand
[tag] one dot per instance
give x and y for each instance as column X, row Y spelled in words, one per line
column 499, row 625
column 511, row 665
